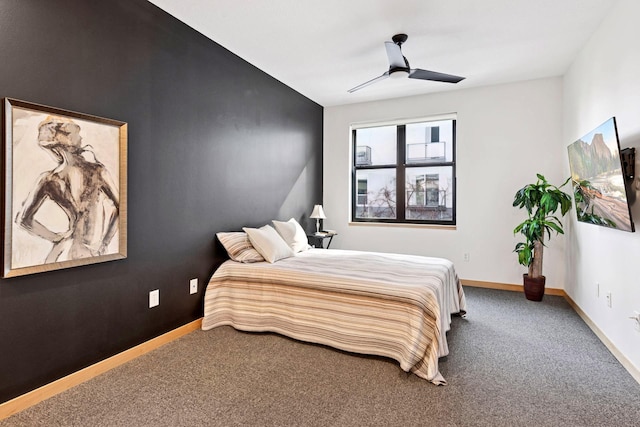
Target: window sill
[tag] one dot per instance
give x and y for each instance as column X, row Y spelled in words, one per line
column 401, row 225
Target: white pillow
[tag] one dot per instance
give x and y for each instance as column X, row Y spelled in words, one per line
column 268, row 243
column 293, row 234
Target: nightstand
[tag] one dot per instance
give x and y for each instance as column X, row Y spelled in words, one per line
column 317, row 240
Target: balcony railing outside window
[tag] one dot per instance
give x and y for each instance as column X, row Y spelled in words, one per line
column 363, row 155
column 427, row 152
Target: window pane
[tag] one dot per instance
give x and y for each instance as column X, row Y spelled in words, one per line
column 362, row 192
column 376, row 193
column 430, row 142
column 376, row 146
column 429, row 193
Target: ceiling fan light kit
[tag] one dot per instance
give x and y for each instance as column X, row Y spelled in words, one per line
column 398, row 74
column 399, row 67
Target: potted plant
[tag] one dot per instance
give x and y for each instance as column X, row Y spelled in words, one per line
column 541, row 200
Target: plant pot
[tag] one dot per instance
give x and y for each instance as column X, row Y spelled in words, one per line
column 533, row 287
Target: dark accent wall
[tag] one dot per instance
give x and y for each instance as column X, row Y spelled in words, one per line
column 214, row 144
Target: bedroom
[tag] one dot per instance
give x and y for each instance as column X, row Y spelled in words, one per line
column 128, row 51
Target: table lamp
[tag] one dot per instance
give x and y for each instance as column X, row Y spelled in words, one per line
column 318, row 214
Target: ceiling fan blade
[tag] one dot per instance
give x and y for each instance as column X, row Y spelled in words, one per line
column 394, row 53
column 418, row 73
column 370, row 82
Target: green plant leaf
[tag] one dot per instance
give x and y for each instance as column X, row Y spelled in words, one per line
column 541, row 201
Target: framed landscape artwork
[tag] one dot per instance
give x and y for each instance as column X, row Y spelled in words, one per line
column 65, row 188
column 599, row 187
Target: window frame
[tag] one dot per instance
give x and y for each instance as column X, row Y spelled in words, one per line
column 401, row 166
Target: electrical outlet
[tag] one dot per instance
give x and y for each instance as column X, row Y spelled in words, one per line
column 193, row 286
column 608, row 295
column 154, row 298
column 466, row 256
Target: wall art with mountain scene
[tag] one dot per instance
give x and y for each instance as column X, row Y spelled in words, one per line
column 598, row 182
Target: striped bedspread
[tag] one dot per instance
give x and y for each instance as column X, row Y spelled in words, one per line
column 397, row 306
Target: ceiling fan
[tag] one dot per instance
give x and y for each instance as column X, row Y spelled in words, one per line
column 399, row 66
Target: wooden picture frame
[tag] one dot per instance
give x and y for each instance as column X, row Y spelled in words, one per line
column 65, row 188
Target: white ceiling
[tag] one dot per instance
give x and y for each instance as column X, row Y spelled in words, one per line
column 322, row 48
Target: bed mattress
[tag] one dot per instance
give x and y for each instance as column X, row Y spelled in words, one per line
column 391, row 305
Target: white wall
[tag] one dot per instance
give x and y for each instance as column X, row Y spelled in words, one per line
column 604, row 81
column 505, row 135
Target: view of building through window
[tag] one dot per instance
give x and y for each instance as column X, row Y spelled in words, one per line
column 404, row 173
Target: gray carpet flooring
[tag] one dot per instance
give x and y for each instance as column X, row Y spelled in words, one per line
column 513, row 363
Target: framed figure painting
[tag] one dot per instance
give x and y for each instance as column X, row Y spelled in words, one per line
column 65, row 188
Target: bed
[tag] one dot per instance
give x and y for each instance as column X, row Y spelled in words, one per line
column 391, row 305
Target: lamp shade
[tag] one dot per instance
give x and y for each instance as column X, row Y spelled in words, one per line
column 318, row 212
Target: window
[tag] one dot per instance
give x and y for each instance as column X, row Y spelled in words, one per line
column 362, row 192
column 405, row 172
